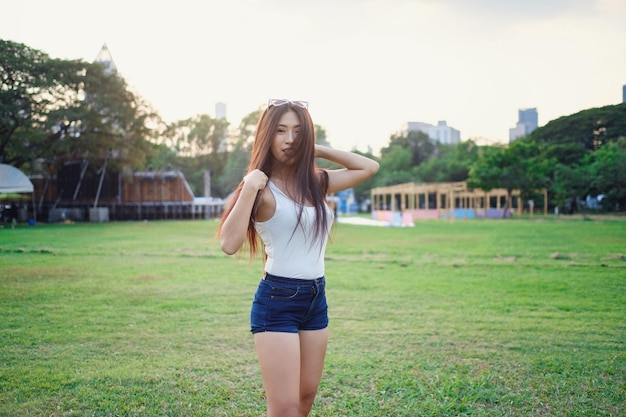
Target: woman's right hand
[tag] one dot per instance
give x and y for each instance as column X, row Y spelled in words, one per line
column 255, row 180
column 235, row 226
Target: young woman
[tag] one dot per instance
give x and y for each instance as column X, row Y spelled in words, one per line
column 281, row 200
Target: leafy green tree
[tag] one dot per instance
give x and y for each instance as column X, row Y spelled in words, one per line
column 320, row 139
column 516, row 167
column 112, row 123
column 53, row 110
column 590, row 128
column 564, row 153
column 362, row 190
column 607, row 170
column 200, row 144
column 537, row 167
column 320, row 136
column 235, row 168
column 486, row 172
column 395, row 167
column 160, row 156
column 199, row 135
column 400, row 158
column 33, row 86
column 570, row 183
column 417, row 144
column 239, row 154
column 569, row 144
column 451, row 163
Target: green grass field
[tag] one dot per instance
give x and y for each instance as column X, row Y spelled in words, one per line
column 476, row 318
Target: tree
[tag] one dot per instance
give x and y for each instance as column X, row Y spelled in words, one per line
column 33, row 86
column 199, row 135
column 53, row 110
column 590, row 128
column 239, row 154
column 320, row 139
column 160, row 156
column 395, row 168
column 516, row 167
column 568, row 147
column 401, row 157
column 109, row 123
column 320, row 136
column 607, row 171
column 451, row 164
column 570, row 183
column 362, row 190
column 200, row 145
column 564, row 153
column 417, row 144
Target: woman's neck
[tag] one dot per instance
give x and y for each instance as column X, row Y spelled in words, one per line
column 285, row 180
column 283, row 175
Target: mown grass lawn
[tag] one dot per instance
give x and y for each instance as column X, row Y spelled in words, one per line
column 476, row 318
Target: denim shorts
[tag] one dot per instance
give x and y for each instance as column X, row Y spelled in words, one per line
column 289, row 305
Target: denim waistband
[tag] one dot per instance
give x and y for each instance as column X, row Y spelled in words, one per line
column 292, row 281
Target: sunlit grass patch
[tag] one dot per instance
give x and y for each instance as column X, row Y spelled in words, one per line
column 443, row 319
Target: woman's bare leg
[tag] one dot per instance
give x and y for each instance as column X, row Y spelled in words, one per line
column 291, row 366
column 279, row 357
column 312, row 352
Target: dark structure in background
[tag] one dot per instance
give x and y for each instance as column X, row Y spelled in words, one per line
column 80, row 192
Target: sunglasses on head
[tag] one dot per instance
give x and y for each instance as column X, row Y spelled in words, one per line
column 276, row 102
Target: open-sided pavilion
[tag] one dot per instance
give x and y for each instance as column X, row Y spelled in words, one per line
column 444, row 200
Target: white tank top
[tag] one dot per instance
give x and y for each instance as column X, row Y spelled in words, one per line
column 292, row 253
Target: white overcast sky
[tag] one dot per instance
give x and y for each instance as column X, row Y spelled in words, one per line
column 366, row 66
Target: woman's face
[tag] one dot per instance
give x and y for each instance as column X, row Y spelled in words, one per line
column 285, row 136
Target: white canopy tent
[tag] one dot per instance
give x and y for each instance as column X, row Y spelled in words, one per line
column 12, row 180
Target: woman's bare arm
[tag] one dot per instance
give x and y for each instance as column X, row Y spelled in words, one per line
column 357, row 168
column 235, row 227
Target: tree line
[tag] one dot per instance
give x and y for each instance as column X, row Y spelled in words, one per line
column 54, row 110
column 572, row 157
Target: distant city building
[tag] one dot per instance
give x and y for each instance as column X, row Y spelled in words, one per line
column 526, row 123
column 220, row 110
column 220, row 114
column 517, row 132
column 529, row 118
column 441, row 133
column 417, row 127
column 445, row 134
column 624, row 93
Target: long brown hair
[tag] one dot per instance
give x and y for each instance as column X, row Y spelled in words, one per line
column 311, row 182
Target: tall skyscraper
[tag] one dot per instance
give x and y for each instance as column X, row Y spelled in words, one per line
column 526, row 123
column 624, row 93
column 529, row 118
column 220, row 114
